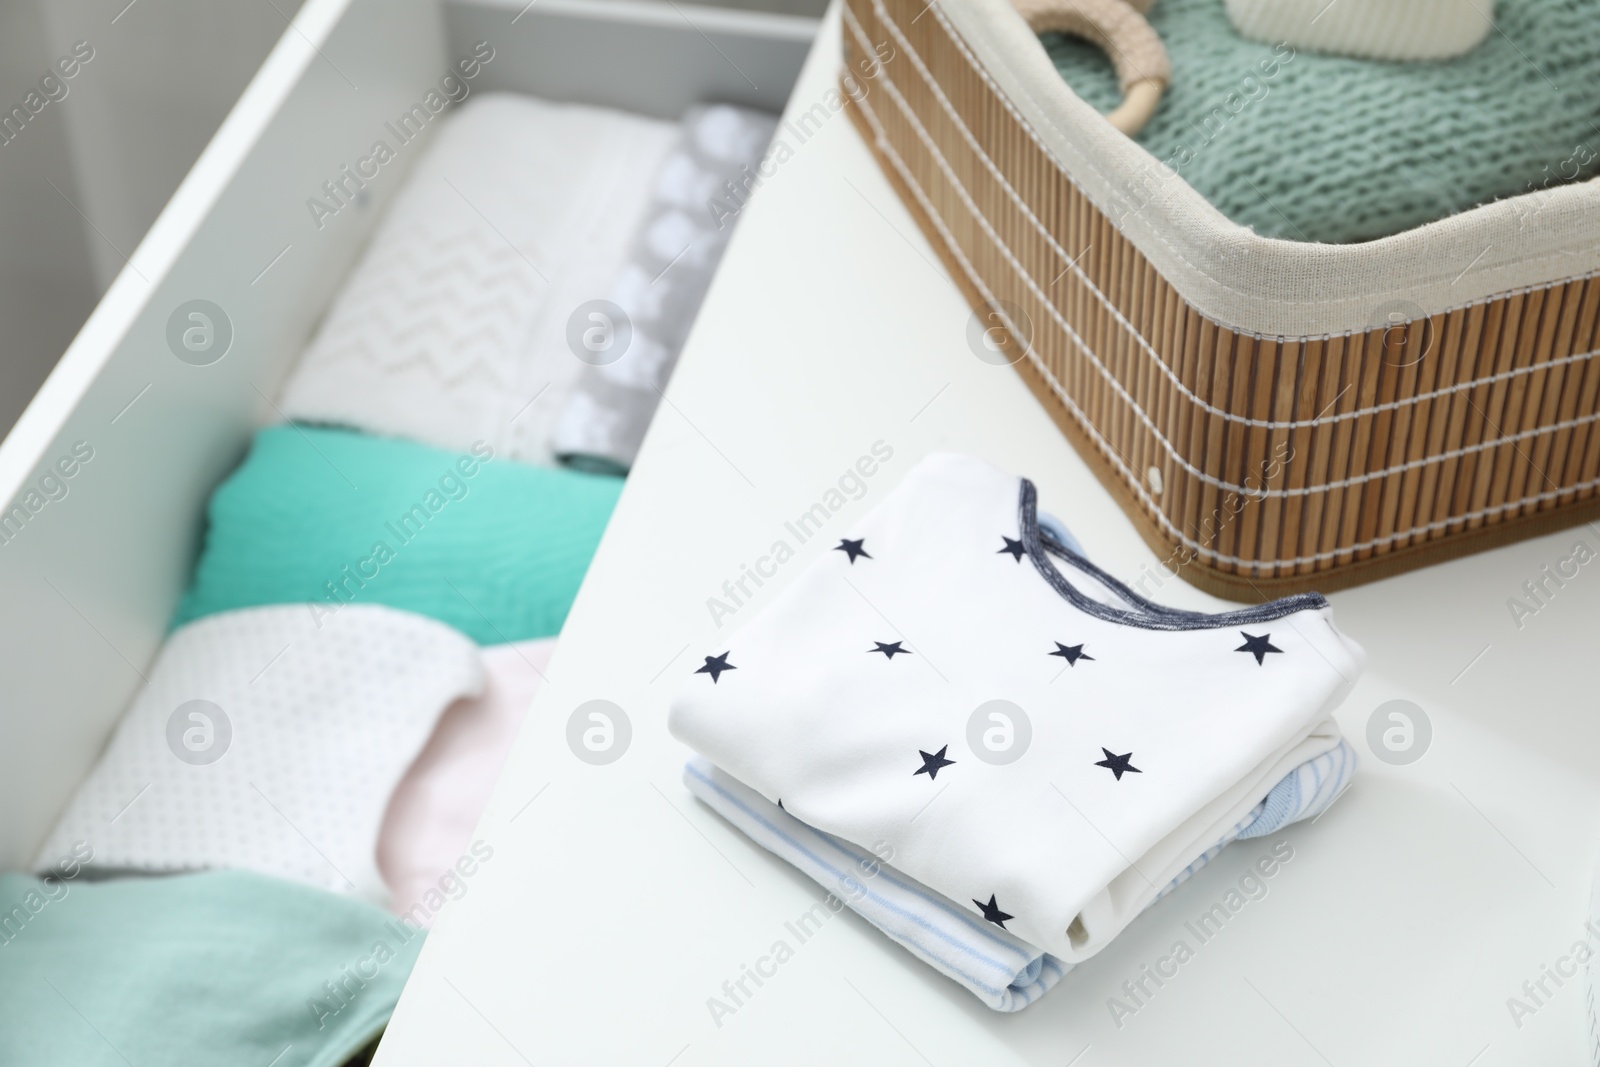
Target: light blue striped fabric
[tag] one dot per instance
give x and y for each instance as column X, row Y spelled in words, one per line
column 1305, row 791
column 1002, row 970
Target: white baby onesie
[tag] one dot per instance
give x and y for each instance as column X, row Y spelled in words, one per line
column 861, row 700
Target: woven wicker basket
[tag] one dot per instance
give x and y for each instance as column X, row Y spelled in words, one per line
column 1274, row 416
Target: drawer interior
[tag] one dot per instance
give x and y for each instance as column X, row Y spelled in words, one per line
column 93, row 563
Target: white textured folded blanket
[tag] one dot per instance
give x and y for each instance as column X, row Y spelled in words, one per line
column 1035, row 742
column 453, row 327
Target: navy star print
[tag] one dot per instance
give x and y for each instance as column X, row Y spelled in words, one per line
column 852, row 549
column 932, row 763
column 715, row 665
column 1118, row 765
column 1259, row 646
column 1071, row 653
column 1013, row 548
column 991, row 911
column 889, row 650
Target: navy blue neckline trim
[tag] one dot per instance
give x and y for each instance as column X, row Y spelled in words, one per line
column 1150, row 615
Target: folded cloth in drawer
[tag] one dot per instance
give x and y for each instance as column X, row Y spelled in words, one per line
column 1002, row 970
column 1313, row 147
column 426, row 847
column 453, row 327
column 696, row 200
column 225, row 967
column 332, row 517
column 270, row 740
column 1092, row 745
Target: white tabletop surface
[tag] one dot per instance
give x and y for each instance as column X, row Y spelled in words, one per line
column 615, row 905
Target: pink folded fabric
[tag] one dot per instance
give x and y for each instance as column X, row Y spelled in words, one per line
column 427, row 830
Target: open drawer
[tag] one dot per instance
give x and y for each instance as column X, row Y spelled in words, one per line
column 107, row 473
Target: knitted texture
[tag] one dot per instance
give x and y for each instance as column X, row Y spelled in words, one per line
column 1313, row 147
column 496, row 549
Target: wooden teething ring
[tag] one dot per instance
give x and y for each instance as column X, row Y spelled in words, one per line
column 1122, row 32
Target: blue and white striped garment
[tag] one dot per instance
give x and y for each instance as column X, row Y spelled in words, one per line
column 1306, row 791
column 1000, row 969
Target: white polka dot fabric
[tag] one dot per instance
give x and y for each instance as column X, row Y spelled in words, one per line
column 698, row 195
column 268, row 743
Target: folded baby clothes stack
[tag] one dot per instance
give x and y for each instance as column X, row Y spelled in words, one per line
column 1038, row 755
column 694, row 204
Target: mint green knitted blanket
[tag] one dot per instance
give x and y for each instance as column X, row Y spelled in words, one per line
column 1312, row 147
column 493, row 547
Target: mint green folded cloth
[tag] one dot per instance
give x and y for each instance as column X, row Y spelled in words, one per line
column 196, row 970
column 495, row 548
